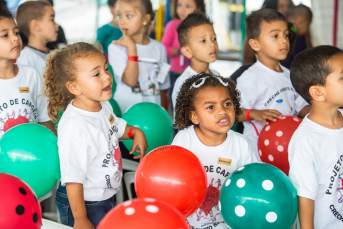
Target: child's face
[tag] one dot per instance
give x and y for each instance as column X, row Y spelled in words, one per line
column 48, row 26
column 283, row 7
column 10, row 41
column 130, row 19
column 202, row 44
column 93, row 81
column 301, row 25
column 334, row 82
column 185, row 7
column 214, row 110
column 273, row 43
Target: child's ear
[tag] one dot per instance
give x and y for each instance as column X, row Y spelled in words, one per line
column 317, row 93
column 254, row 45
column 193, row 117
column 146, row 19
column 73, row 88
column 34, row 25
column 186, row 51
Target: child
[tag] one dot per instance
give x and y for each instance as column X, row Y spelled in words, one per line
column 301, row 18
column 315, row 150
column 36, row 20
column 178, row 62
column 138, row 61
column 109, row 32
column 78, row 82
column 266, row 89
column 198, row 43
column 20, row 86
column 206, row 108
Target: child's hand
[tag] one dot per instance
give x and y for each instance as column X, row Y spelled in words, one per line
column 125, row 41
column 264, row 115
column 139, row 141
column 83, row 223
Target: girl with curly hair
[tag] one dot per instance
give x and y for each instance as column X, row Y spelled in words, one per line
column 206, row 108
column 77, row 81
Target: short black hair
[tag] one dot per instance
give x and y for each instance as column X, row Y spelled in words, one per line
column 254, row 20
column 5, row 13
column 301, row 10
column 187, row 95
column 194, row 19
column 112, row 2
column 311, row 67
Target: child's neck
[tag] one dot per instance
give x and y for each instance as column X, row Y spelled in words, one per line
column 87, row 104
column 273, row 64
column 199, row 66
column 114, row 22
column 38, row 43
column 326, row 115
column 141, row 38
column 8, row 69
column 209, row 138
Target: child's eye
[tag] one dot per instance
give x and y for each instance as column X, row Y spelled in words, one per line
column 228, row 104
column 96, row 75
column 286, row 35
column 119, row 16
column 214, row 39
column 210, row 107
column 106, row 69
column 203, row 41
column 4, row 35
column 129, row 16
column 275, row 36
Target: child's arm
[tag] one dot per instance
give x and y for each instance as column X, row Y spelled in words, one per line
column 167, row 41
column 306, row 213
column 50, row 126
column 259, row 115
column 139, row 141
column 304, row 111
column 130, row 75
column 78, row 207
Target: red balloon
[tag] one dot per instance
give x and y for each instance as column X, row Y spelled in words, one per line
column 19, row 207
column 174, row 175
column 274, row 139
column 143, row 214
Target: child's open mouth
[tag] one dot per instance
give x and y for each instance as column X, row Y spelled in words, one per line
column 108, row 88
column 223, row 121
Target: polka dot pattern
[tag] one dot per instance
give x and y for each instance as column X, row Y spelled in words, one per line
column 129, row 211
column 296, row 119
column 270, row 157
column 279, row 133
column 149, row 200
column 20, row 209
column 241, row 183
column 271, row 217
column 260, row 152
column 280, row 148
column 267, row 185
column 267, row 128
column 22, row 191
column 227, row 182
column 127, row 203
column 266, row 142
column 240, row 210
column 151, row 209
column 35, row 217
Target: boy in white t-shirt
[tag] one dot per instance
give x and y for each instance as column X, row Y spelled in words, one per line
column 315, row 150
column 266, row 89
column 198, row 43
column 36, row 20
column 206, row 108
column 20, row 86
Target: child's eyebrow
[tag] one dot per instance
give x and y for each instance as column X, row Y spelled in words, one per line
column 227, row 99
column 52, row 15
column 94, row 68
column 275, row 30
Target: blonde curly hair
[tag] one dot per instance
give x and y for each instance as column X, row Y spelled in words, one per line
column 61, row 68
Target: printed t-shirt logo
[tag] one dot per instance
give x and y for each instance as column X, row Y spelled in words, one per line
column 24, row 89
column 224, row 161
column 111, row 119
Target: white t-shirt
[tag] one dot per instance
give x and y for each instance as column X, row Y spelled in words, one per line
column 89, row 151
column 189, row 72
column 34, row 58
column 262, row 89
column 20, row 100
column 315, row 156
column 147, row 89
column 219, row 162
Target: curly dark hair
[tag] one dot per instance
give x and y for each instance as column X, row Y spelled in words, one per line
column 187, row 95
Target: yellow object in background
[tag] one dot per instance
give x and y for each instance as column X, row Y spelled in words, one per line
column 159, row 23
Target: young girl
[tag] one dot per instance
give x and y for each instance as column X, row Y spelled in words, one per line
column 206, row 108
column 170, row 39
column 138, row 61
column 77, row 81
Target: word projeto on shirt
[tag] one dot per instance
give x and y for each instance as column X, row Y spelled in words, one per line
column 284, row 89
column 335, row 171
column 16, row 101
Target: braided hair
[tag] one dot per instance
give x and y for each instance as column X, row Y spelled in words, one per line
column 188, row 92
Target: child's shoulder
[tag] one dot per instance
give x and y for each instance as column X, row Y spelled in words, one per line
column 29, row 72
column 173, row 23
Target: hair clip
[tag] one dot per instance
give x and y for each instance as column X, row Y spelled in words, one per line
column 203, row 79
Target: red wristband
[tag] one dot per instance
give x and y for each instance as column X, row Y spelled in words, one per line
column 248, row 115
column 133, row 58
column 130, row 132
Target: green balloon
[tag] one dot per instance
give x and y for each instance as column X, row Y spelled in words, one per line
column 115, row 107
column 29, row 151
column 153, row 120
column 258, row 195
